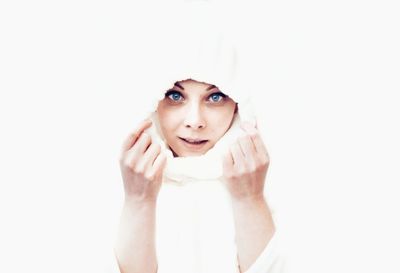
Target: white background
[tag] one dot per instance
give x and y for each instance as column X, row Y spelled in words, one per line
column 331, row 72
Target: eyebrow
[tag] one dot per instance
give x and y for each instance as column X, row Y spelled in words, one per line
column 181, row 87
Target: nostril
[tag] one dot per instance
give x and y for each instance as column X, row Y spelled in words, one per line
column 194, row 126
column 199, row 126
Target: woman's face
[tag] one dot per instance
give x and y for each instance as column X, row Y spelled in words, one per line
column 194, row 116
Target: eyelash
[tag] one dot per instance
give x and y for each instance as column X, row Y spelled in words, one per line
column 174, row 92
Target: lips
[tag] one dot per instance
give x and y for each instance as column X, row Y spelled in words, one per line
column 193, row 141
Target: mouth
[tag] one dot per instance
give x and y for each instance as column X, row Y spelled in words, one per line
column 193, row 143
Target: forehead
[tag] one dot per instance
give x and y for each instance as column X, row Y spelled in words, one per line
column 194, row 85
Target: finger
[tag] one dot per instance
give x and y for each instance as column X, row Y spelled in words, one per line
column 256, row 138
column 248, row 150
column 136, row 152
column 159, row 164
column 237, row 155
column 259, row 144
column 247, row 146
column 147, row 160
column 142, row 144
column 132, row 137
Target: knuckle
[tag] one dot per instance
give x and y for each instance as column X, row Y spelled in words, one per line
column 265, row 161
column 253, row 168
column 149, row 176
column 260, row 167
column 230, row 175
column 128, row 161
column 138, row 170
column 262, row 157
column 241, row 172
column 263, row 164
column 125, row 162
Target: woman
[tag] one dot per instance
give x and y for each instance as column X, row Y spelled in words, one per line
column 191, row 215
column 194, row 170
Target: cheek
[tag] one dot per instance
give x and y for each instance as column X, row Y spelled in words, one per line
column 168, row 120
column 222, row 118
column 228, row 112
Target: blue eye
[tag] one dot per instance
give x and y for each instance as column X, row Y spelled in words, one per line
column 174, row 95
column 217, row 97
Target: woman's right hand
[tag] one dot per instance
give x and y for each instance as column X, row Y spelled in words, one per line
column 142, row 164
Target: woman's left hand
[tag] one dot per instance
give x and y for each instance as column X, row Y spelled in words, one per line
column 245, row 166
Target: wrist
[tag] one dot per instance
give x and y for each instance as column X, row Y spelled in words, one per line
column 139, row 203
column 249, row 200
column 253, row 210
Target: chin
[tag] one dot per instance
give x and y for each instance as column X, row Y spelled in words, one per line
column 187, row 154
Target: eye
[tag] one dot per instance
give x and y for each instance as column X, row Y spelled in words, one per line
column 173, row 95
column 216, row 97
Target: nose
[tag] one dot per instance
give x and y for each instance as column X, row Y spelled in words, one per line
column 194, row 117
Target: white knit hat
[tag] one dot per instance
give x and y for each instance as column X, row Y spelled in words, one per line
column 190, row 41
